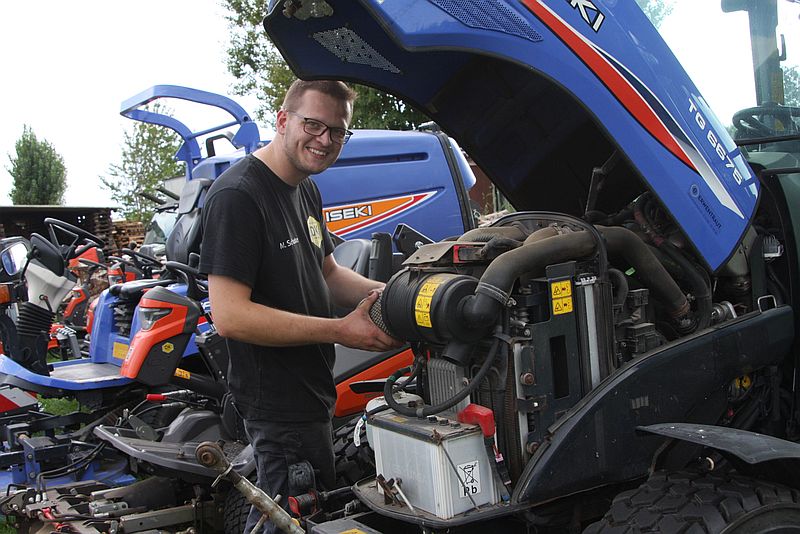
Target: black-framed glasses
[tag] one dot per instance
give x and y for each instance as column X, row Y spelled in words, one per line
column 315, row 127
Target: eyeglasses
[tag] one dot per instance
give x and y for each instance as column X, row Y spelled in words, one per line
column 316, row 128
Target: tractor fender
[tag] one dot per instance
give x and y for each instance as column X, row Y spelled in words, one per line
column 753, row 454
column 749, row 447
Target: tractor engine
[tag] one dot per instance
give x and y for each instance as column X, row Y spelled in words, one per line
column 522, row 319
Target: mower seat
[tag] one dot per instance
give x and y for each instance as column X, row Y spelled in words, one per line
column 134, row 290
column 354, row 254
column 186, row 235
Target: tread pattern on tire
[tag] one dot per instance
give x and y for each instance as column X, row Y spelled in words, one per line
column 236, row 511
column 689, row 502
column 352, row 463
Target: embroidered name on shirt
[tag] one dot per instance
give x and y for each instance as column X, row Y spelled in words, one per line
column 289, row 243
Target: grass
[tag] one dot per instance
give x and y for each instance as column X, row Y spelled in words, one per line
column 59, row 406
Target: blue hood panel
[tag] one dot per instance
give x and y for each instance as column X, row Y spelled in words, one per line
column 539, row 93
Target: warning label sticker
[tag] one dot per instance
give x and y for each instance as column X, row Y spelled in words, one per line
column 562, row 305
column 561, row 289
column 120, row 350
column 180, row 373
column 470, row 475
column 422, row 305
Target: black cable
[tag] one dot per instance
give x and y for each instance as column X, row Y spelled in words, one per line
column 75, row 466
column 452, row 401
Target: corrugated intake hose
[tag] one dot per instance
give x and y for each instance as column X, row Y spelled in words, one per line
column 482, row 309
column 540, row 234
column 481, row 235
column 650, row 271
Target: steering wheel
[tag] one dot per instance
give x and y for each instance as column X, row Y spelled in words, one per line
column 146, row 260
column 195, row 289
column 147, row 264
column 92, row 265
column 77, row 235
column 750, row 121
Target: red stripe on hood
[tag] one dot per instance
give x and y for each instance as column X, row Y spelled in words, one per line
column 616, row 83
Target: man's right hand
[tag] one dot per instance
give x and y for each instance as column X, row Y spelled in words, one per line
column 359, row 332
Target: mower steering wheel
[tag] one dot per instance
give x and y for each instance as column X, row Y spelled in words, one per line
column 77, row 235
column 93, row 265
column 147, row 261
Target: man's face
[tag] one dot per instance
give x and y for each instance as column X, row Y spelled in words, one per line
column 312, row 154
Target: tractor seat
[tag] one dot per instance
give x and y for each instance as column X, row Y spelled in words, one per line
column 185, row 237
column 135, row 289
column 354, row 254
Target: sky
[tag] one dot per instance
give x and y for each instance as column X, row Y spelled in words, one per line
column 67, row 67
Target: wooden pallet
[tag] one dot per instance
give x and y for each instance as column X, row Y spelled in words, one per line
column 125, row 231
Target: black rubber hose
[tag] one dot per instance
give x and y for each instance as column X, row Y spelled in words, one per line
column 620, row 284
column 697, row 283
column 652, row 273
column 481, row 310
column 449, row 403
column 542, row 233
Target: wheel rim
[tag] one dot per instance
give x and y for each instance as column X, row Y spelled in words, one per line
column 770, row 519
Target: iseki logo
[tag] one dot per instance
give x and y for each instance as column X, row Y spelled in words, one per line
column 593, row 16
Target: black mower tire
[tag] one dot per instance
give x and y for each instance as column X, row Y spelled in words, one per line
column 696, row 502
column 236, row 511
column 352, row 463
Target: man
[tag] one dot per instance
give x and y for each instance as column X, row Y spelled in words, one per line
column 271, row 278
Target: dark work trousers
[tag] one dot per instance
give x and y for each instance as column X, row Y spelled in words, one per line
column 278, row 445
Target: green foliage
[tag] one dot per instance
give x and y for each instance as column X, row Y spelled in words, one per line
column 259, row 69
column 38, row 171
column 791, row 86
column 58, row 406
column 656, row 10
column 147, row 160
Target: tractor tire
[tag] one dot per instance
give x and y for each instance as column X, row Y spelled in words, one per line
column 352, row 463
column 691, row 502
column 236, row 511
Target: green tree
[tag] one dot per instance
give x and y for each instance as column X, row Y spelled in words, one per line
column 656, row 10
column 40, row 177
column 260, row 70
column 147, row 160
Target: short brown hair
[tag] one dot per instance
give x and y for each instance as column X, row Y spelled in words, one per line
column 333, row 88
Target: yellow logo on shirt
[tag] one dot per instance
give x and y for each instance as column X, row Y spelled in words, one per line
column 315, row 231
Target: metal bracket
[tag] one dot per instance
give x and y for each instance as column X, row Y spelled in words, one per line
column 534, row 404
column 767, row 302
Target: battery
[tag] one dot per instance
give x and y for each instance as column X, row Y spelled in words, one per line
column 442, row 464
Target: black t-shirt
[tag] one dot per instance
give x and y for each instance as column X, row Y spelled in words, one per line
column 269, row 235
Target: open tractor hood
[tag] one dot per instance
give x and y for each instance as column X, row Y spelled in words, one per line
column 541, row 94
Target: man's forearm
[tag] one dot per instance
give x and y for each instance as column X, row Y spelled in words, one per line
column 348, row 288
column 261, row 325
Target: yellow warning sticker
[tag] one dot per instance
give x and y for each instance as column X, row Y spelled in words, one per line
column 423, row 319
column 120, row 350
column 167, row 347
column 422, row 305
column 180, row 373
column 561, row 289
column 562, row 305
